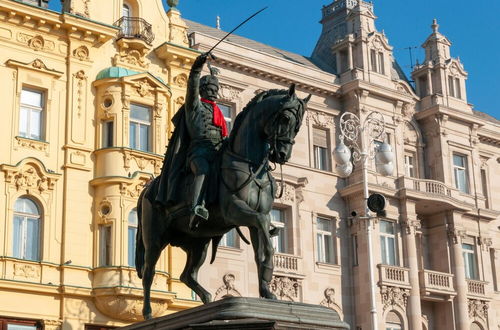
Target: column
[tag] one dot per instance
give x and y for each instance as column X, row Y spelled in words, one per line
column 460, row 301
column 429, row 82
column 349, row 57
column 410, row 225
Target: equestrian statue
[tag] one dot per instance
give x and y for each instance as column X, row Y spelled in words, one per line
column 212, row 182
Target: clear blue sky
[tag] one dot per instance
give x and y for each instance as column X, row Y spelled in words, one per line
column 473, row 27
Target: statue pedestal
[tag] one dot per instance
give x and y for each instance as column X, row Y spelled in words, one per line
column 247, row 313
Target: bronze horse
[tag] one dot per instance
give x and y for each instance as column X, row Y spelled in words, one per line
column 263, row 132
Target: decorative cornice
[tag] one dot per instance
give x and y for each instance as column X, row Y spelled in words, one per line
column 36, row 65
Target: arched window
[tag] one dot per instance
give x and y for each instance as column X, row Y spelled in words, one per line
column 393, row 321
column 125, row 11
column 26, row 233
column 132, row 232
column 126, row 14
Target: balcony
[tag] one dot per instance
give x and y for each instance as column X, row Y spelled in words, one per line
column 394, row 276
column 287, row 263
column 436, row 286
column 476, row 288
column 135, row 28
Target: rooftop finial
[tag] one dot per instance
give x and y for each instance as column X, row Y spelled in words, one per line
column 435, row 26
column 217, row 22
column 172, row 3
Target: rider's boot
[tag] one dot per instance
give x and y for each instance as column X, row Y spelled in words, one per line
column 198, row 211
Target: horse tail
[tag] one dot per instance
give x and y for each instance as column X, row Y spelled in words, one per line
column 139, row 244
column 215, row 244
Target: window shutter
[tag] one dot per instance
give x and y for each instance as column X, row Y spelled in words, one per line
column 320, row 138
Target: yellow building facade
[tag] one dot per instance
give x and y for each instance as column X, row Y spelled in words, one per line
column 89, row 105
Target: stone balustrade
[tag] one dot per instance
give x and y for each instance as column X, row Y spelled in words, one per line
column 394, row 276
column 476, row 288
column 435, row 284
column 286, row 263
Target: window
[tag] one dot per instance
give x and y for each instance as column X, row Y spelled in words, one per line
column 227, row 113
column 104, row 245
column 454, row 87
column 494, row 273
column 324, row 239
column 126, row 28
column 470, row 263
column 26, row 233
column 377, row 61
column 132, row 232
column 31, row 114
column 13, row 324
column 484, row 186
column 230, row 239
column 460, row 172
column 422, row 84
column 393, row 326
column 140, row 126
column 410, row 165
column 388, row 243
column 107, row 134
column 321, row 154
column 278, row 220
column 393, row 321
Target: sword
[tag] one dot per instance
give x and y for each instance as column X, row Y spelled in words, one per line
column 227, row 35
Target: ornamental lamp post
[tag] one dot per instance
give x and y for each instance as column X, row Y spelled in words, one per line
column 360, row 146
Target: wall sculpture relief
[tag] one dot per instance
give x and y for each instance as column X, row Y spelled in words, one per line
column 394, row 296
column 228, row 289
column 285, row 288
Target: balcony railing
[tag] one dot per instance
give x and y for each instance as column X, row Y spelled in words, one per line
column 135, row 27
column 432, row 187
column 476, row 288
column 436, row 285
column 286, row 263
column 394, row 275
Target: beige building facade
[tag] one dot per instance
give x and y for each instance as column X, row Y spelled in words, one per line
column 89, row 97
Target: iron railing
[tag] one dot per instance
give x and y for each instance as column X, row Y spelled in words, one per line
column 135, row 27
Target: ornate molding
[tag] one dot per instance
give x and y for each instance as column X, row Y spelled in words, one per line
column 82, row 53
column 128, row 308
column 144, row 88
column 228, row 289
column 135, row 188
column 36, row 42
column 455, row 235
column 485, row 242
column 320, row 119
column 285, row 288
column 394, row 296
column 52, row 324
column 36, row 64
column 30, row 175
column 478, row 309
column 181, row 80
column 229, row 93
column 132, row 53
column 31, row 144
column 142, row 161
column 411, row 226
column 288, row 193
column 26, row 271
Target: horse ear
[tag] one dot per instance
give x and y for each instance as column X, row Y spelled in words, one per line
column 307, row 98
column 291, row 91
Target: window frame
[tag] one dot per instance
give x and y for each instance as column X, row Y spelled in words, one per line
column 321, row 154
column 230, row 240
column 132, row 227
column 25, row 218
column 385, row 244
column 229, row 120
column 30, row 108
column 108, row 136
column 5, row 322
column 321, row 255
column 283, row 233
column 105, row 250
column 140, row 123
column 462, row 169
column 410, row 169
column 471, row 270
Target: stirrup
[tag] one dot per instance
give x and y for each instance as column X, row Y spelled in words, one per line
column 201, row 212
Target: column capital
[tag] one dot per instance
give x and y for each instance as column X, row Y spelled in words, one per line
column 411, row 226
column 455, row 234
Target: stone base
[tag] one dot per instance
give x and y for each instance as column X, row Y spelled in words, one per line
column 247, row 313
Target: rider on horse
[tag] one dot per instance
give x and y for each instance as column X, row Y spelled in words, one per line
column 198, row 136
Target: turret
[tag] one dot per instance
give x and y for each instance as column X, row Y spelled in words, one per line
column 440, row 79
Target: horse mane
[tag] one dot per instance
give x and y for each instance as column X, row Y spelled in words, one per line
column 257, row 98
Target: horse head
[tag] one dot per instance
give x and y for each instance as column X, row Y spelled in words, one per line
column 283, row 124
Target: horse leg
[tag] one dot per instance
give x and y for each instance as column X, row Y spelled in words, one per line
column 196, row 254
column 152, row 254
column 258, row 224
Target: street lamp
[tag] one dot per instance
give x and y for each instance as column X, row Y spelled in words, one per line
column 360, row 146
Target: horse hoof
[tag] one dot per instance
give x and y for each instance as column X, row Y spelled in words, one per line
column 148, row 316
